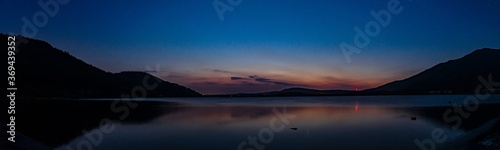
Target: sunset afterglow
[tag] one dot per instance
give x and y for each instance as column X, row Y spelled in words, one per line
column 264, row 45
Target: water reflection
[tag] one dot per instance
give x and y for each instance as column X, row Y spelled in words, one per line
column 169, row 125
column 317, row 127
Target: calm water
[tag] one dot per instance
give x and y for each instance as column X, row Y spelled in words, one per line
column 376, row 122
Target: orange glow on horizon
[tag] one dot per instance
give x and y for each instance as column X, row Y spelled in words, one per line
column 217, row 82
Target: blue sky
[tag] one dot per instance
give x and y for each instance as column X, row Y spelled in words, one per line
column 262, row 43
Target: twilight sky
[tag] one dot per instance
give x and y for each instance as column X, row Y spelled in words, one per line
column 261, row 45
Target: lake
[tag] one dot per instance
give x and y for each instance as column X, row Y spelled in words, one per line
column 344, row 122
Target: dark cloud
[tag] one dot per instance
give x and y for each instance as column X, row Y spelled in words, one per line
column 256, row 77
column 238, row 78
column 262, row 80
column 267, row 80
column 283, row 83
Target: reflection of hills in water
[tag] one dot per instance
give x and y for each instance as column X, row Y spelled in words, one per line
column 64, row 120
column 473, row 120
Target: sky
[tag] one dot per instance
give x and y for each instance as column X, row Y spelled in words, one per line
column 246, row 46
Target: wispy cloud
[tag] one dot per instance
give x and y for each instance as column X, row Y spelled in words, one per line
column 238, row 78
column 222, row 71
column 267, row 80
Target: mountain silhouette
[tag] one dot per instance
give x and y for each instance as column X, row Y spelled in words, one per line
column 44, row 71
column 451, row 77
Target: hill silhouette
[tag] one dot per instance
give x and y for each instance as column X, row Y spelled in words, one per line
column 45, row 71
column 162, row 89
column 451, row 77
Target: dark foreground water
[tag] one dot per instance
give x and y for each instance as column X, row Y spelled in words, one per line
column 370, row 122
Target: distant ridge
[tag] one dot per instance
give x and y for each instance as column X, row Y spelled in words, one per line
column 43, row 71
column 293, row 92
